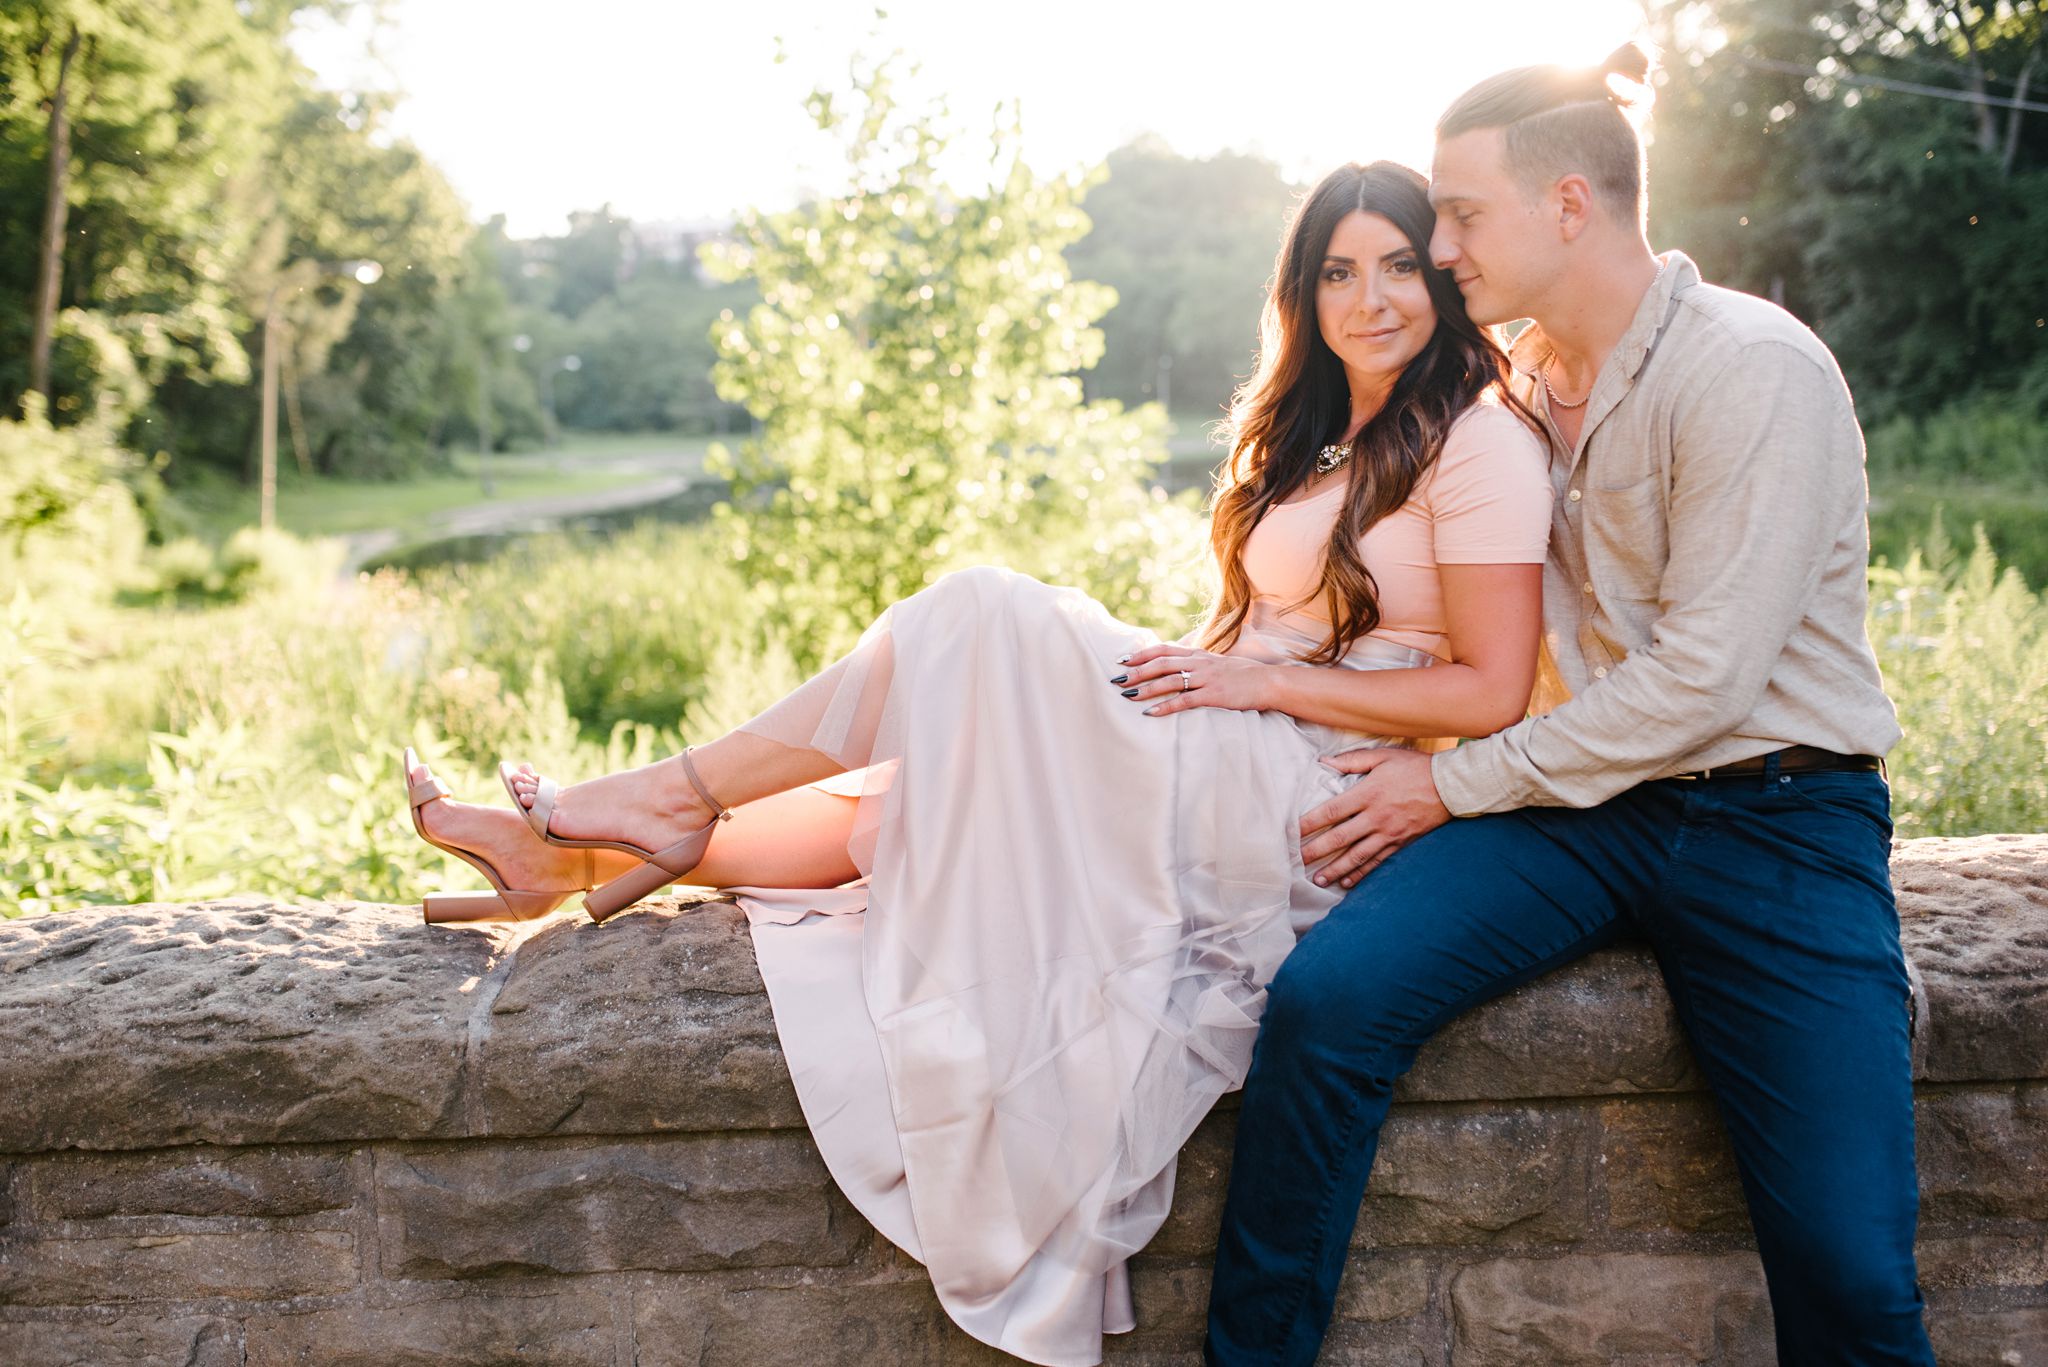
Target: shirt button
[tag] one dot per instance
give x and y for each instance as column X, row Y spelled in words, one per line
column 1588, row 586
column 1574, row 495
column 1601, row 672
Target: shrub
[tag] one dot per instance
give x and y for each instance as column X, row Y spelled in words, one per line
column 1964, row 649
column 1987, row 439
column 68, row 522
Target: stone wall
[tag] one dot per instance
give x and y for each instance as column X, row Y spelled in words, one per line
column 243, row 1134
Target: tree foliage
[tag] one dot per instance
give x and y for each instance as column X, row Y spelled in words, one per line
column 1840, row 156
column 157, row 98
column 1188, row 245
column 210, row 176
column 914, row 366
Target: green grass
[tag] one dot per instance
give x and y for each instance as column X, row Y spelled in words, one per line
column 589, row 447
column 2014, row 516
column 586, row 462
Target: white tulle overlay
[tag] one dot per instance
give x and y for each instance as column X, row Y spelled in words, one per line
column 1057, row 959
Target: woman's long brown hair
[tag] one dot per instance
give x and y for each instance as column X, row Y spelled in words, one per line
column 1298, row 401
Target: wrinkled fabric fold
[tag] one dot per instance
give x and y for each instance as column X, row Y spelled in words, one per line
column 1056, row 960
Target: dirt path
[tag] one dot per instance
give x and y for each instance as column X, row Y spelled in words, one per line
column 507, row 515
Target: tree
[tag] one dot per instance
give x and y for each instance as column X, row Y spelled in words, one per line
column 1188, row 246
column 138, row 118
column 647, row 355
column 591, row 261
column 50, row 251
column 914, row 363
column 1851, row 159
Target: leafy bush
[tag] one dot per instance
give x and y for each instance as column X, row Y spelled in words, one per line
column 188, row 571
column 1964, row 649
column 626, row 626
column 913, row 364
column 1978, row 461
column 69, row 525
column 2014, row 523
column 151, row 753
column 1991, row 438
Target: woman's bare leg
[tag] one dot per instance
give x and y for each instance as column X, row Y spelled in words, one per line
column 795, row 839
column 656, row 805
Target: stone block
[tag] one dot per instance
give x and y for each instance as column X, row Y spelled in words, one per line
column 479, row 1330
column 253, row 1265
column 236, row 1022
column 898, row 1322
column 1973, row 915
column 1199, row 1182
column 1603, row 1308
column 651, row 1022
column 1375, row 1290
column 1983, row 1260
column 1668, row 1165
column 1977, row 1337
column 188, row 1341
column 1441, row 1177
column 682, row 1203
column 1983, row 1153
column 1603, row 1026
column 1372, row 1345
column 1170, row 1297
column 200, row 1182
column 1479, row 1177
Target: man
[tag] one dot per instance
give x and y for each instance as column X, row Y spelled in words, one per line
column 1713, row 783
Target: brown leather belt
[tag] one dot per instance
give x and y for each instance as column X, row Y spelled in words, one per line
column 1793, row 759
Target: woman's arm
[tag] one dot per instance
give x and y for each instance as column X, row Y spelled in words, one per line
column 1492, row 617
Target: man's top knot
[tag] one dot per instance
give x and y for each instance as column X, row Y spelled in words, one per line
column 1629, row 62
column 1530, row 91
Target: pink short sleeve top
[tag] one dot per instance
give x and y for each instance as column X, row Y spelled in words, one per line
column 1486, row 501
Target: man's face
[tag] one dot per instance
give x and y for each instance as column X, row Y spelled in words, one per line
column 1501, row 248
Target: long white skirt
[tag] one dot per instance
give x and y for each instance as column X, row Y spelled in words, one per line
column 1057, row 959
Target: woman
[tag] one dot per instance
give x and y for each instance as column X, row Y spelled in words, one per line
column 1082, row 845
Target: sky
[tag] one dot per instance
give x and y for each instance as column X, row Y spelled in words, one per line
column 682, row 112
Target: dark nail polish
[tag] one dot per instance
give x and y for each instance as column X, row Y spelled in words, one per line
column 1121, row 678
column 1130, row 692
column 1123, row 659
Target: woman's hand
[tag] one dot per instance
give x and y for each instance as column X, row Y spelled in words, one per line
column 1154, row 675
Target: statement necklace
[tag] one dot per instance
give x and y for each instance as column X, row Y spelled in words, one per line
column 1332, row 457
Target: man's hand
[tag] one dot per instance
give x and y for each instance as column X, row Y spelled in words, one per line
column 1393, row 801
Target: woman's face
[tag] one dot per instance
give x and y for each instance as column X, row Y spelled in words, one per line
column 1372, row 304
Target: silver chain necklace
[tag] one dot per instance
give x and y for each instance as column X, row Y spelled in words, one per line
column 1551, row 394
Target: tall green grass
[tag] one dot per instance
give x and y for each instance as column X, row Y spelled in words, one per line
column 165, row 752
column 1964, row 648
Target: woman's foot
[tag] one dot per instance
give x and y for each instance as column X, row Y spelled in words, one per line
column 501, row 837
column 652, row 807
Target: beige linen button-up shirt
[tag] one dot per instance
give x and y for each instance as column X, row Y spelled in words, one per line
column 1704, row 597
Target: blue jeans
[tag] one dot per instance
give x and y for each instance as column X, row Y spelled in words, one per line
column 1767, row 899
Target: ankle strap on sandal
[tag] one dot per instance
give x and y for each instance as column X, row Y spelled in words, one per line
column 690, row 772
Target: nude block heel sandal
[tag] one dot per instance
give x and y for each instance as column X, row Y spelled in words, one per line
column 657, row 869
column 500, row 904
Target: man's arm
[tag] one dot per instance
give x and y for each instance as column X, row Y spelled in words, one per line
column 1762, row 466
column 1765, row 468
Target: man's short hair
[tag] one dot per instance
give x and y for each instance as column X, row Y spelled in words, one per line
column 1558, row 120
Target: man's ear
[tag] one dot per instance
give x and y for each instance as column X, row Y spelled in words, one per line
column 1573, row 198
